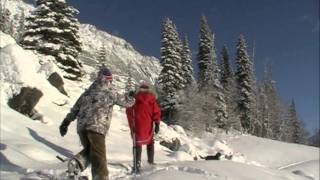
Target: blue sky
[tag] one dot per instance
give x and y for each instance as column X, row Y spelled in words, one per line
column 285, row 33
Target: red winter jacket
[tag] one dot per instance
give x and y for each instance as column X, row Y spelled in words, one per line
column 144, row 113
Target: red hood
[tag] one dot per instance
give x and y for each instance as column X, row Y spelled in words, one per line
column 144, row 97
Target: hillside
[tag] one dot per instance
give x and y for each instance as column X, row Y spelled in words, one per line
column 28, row 147
column 119, row 53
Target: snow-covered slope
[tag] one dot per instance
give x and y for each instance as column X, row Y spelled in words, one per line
column 119, row 54
column 276, row 154
column 16, row 7
column 118, row 51
column 28, row 148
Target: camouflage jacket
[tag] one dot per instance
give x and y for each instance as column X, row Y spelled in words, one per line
column 93, row 109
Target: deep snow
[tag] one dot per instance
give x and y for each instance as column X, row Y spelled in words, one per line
column 28, row 148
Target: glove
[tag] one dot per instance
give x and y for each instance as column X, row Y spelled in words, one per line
column 64, row 127
column 156, row 128
column 131, row 93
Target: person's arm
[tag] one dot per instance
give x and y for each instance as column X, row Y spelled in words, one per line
column 71, row 116
column 124, row 100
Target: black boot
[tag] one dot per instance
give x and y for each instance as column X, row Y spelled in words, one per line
column 150, row 153
column 136, row 159
column 136, row 168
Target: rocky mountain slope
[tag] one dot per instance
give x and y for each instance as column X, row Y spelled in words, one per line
column 119, row 53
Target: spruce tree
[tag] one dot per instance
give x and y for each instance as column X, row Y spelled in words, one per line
column 11, row 29
column 102, row 55
column 315, row 138
column 221, row 114
column 209, row 77
column 220, row 107
column 226, row 71
column 187, row 63
column 130, row 85
column 52, row 30
column 21, row 26
column 205, row 55
column 4, row 19
column 275, row 112
column 264, row 129
column 246, row 87
column 169, row 81
column 298, row 133
column 228, row 83
column 181, row 80
column 285, row 130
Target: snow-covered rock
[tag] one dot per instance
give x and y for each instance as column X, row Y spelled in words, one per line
column 21, row 68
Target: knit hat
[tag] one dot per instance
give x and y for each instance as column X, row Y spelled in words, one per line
column 105, row 72
column 143, row 85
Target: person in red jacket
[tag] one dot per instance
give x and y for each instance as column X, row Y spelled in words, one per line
column 143, row 118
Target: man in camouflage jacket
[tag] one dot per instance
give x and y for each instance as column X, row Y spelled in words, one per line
column 93, row 110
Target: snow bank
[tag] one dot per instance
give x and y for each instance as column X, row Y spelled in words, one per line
column 21, row 68
column 272, row 153
column 308, row 169
column 19, row 64
column 5, row 40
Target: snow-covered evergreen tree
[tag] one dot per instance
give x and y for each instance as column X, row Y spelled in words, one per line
column 220, row 108
column 227, row 80
column 170, row 79
column 226, row 71
column 21, row 26
column 130, row 84
column 20, row 29
column 246, row 87
column 298, row 132
column 4, row 19
column 206, row 54
column 275, row 107
column 263, row 121
column 187, row 63
column 315, row 138
column 102, row 55
column 52, row 30
column 286, row 130
column 182, row 81
column 11, row 29
column 209, row 76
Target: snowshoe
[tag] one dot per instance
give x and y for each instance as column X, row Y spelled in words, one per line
column 83, row 178
column 135, row 171
column 74, row 170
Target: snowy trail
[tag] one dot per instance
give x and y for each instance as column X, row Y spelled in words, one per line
column 149, row 170
column 295, row 164
column 28, row 148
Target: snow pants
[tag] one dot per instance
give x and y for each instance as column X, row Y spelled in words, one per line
column 94, row 153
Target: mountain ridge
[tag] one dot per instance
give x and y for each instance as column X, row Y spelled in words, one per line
column 119, row 52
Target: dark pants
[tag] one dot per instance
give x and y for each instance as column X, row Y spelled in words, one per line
column 94, row 152
column 137, row 155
